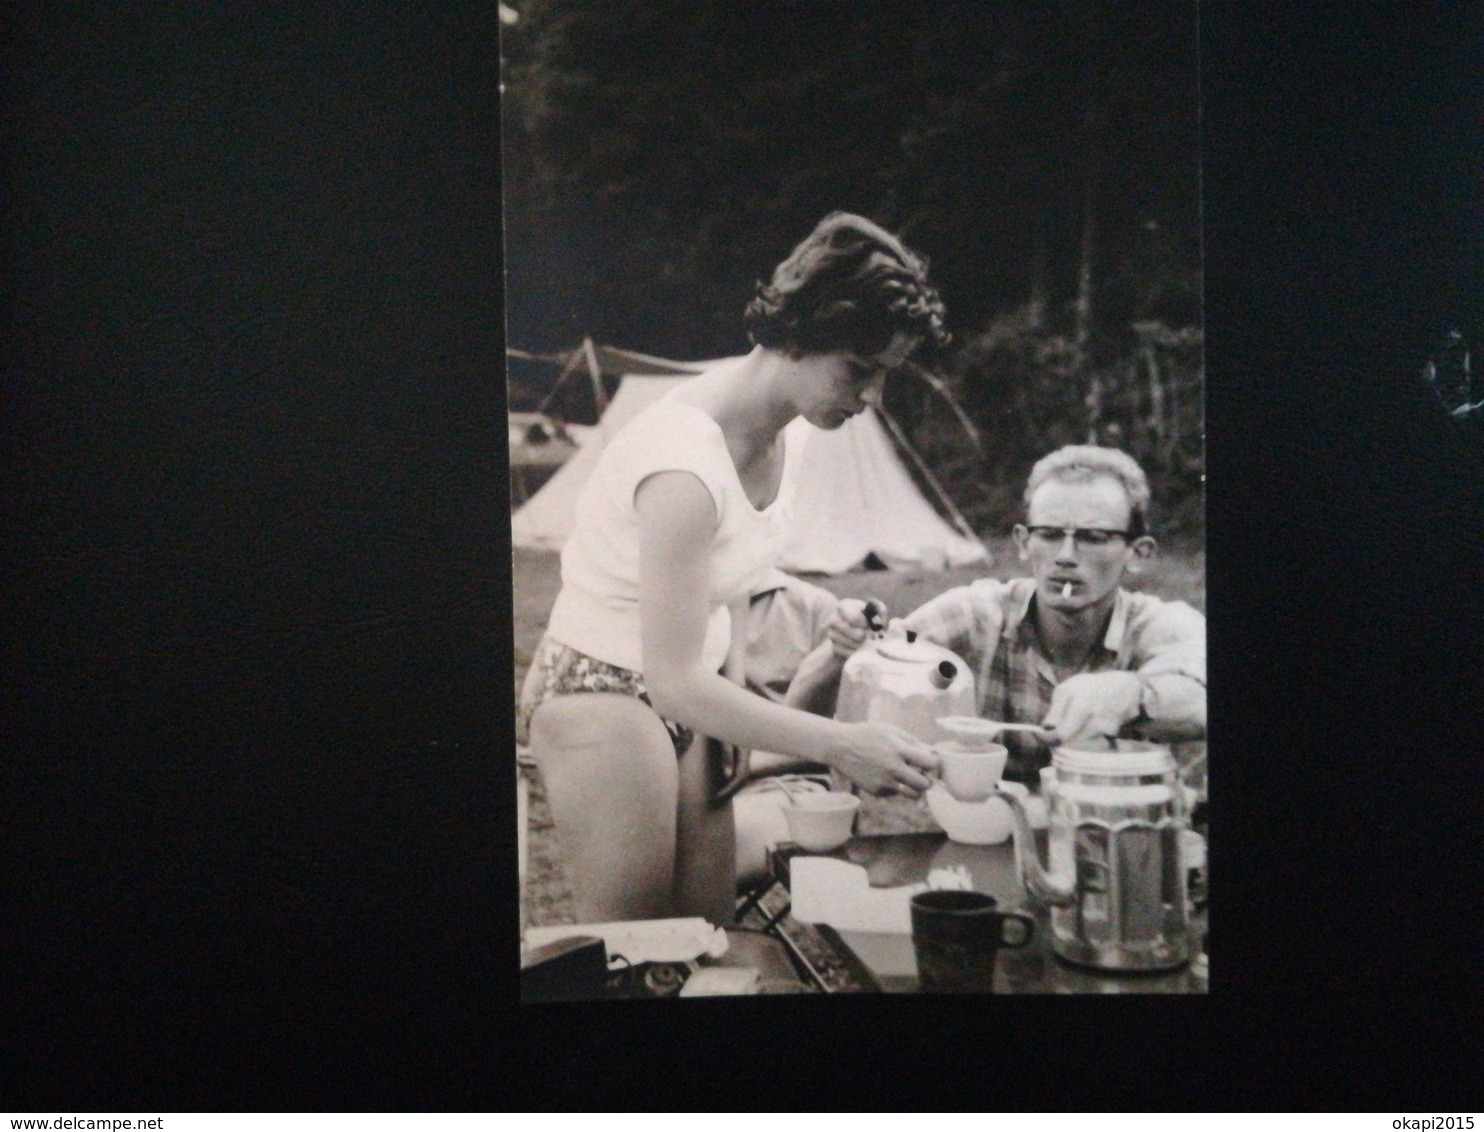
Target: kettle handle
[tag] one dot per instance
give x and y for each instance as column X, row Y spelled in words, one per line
column 1026, row 923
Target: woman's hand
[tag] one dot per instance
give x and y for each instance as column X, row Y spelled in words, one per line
column 883, row 759
column 852, row 624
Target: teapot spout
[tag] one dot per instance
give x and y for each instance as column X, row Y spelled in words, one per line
column 1049, row 889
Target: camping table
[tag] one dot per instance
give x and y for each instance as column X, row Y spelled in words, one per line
column 877, row 962
column 748, row 948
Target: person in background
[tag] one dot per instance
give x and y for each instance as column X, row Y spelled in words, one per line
column 1068, row 647
column 677, row 522
column 788, row 618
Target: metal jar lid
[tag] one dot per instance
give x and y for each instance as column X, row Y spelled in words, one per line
column 1132, row 758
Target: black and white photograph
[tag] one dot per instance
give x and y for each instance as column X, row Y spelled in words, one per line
column 855, row 376
column 932, row 427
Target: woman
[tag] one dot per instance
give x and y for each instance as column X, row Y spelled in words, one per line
column 679, row 517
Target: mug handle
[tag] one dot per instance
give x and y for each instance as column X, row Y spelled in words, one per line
column 1026, row 923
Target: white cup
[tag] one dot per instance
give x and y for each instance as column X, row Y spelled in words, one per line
column 971, row 776
column 821, row 822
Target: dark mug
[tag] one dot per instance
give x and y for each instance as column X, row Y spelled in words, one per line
column 957, row 936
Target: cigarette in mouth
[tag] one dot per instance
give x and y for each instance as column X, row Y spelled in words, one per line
column 1066, row 590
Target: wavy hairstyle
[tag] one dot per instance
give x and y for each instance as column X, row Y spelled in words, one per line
column 1079, row 463
column 850, row 285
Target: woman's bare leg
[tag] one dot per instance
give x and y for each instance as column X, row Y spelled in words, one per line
column 611, row 779
column 706, row 845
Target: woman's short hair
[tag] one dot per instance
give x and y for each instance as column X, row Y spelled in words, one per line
column 1079, row 463
column 850, row 285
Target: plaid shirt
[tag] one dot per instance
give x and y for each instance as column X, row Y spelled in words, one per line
column 985, row 623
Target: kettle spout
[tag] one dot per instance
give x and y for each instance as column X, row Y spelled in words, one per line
column 942, row 676
column 1048, row 888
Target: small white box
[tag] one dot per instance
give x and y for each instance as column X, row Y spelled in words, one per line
column 720, row 980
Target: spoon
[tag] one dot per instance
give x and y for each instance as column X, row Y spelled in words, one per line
column 1046, row 733
column 972, row 728
column 793, row 791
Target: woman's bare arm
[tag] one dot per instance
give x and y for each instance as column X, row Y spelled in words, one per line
column 677, row 520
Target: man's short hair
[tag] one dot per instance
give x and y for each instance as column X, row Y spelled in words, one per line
column 1079, row 463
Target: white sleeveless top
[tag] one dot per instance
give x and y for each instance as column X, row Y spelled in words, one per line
column 597, row 610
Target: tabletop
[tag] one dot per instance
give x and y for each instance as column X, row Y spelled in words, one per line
column 887, row 962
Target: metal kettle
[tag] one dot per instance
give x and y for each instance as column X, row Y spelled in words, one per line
column 1115, row 884
column 909, row 682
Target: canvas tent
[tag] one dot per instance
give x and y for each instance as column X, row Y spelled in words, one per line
column 856, row 498
column 539, row 444
column 540, row 441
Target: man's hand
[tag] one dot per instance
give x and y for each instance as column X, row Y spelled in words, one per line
column 851, row 626
column 1094, row 705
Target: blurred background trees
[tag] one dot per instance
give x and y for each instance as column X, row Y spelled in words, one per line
column 660, row 156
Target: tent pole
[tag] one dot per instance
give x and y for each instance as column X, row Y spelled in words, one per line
column 954, row 513
column 933, row 382
column 596, row 371
column 567, row 367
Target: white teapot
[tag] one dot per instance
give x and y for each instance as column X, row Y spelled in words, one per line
column 909, row 682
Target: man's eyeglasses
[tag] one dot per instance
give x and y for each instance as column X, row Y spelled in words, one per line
column 1082, row 536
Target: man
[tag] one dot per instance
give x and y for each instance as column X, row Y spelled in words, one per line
column 1068, row 647
column 787, row 619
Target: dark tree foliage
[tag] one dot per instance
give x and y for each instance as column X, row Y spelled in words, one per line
column 662, row 155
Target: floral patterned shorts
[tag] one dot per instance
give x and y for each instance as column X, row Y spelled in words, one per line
column 563, row 671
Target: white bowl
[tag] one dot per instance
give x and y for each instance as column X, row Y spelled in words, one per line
column 974, row 823
column 821, row 822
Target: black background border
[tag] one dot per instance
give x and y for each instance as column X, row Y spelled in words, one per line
column 255, row 745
